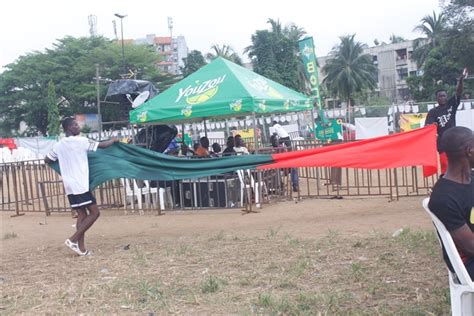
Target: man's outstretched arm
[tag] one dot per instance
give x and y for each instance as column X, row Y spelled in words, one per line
column 460, row 84
column 108, row 143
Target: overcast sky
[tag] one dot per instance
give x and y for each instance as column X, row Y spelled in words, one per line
column 27, row 26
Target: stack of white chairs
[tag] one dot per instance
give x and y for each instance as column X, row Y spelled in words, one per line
column 246, row 187
column 135, row 193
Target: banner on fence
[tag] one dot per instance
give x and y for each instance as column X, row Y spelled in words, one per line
column 409, row 122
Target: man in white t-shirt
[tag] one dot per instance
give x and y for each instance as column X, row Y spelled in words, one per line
column 283, row 136
column 71, row 152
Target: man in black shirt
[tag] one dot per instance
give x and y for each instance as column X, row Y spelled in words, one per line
column 452, row 199
column 444, row 115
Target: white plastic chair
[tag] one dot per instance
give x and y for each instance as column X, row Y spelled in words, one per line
column 156, row 193
column 461, row 286
column 248, row 187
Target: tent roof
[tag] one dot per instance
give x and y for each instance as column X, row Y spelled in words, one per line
column 219, row 89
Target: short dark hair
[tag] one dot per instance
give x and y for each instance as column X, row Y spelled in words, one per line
column 455, row 140
column 204, row 141
column 216, row 148
column 230, row 141
column 275, row 122
column 66, row 122
column 438, row 91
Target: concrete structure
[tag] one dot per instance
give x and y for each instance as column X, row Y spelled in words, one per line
column 173, row 51
column 394, row 63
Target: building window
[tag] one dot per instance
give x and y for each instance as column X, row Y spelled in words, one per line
column 401, row 54
column 402, row 73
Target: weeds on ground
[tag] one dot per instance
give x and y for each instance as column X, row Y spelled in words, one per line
column 10, row 236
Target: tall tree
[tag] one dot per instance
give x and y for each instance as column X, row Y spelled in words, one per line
column 53, row 111
column 449, row 53
column 193, row 62
column 70, row 64
column 274, row 54
column 349, row 70
column 226, row 52
column 394, row 39
column 432, row 27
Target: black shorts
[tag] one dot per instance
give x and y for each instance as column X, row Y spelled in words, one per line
column 81, row 200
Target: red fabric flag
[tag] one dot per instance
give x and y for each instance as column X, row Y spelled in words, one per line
column 413, row 148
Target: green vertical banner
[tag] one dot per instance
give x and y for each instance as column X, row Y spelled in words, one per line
column 308, row 57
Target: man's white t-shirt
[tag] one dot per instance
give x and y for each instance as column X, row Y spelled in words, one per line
column 281, row 132
column 72, row 155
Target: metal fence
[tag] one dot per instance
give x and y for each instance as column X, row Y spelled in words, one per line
column 32, row 186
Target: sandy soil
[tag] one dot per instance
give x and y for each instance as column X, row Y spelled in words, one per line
column 305, row 219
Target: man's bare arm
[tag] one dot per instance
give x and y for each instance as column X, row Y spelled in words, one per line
column 108, row 143
column 460, row 84
column 464, row 238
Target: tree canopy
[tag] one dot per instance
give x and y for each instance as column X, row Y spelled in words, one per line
column 70, row 65
column 274, row 54
column 349, row 70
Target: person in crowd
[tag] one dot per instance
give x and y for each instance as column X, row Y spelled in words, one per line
column 216, row 150
column 203, row 149
column 444, row 115
column 283, row 136
column 229, row 150
column 452, row 199
column 293, row 171
column 71, row 152
column 239, row 146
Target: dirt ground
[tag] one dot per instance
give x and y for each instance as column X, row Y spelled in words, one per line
column 32, row 252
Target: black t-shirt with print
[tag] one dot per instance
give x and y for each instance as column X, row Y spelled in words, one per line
column 444, row 116
column 453, row 204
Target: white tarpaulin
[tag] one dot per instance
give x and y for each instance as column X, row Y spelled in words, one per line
column 465, row 118
column 368, row 127
column 38, row 145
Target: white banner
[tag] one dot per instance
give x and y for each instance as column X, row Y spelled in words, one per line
column 368, row 127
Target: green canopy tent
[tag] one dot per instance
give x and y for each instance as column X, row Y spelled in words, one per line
column 219, row 89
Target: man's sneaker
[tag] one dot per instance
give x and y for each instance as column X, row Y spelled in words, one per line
column 86, row 253
column 73, row 246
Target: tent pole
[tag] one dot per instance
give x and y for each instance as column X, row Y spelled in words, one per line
column 255, row 132
column 227, row 127
column 313, row 127
column 205, row 128
column 182, row 133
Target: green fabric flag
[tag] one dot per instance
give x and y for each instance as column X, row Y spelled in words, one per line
column 308, row 56
column 130, row 161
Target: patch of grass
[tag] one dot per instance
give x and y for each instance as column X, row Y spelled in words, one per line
column 141, row 257
column 265, row 300
column 357, row 272
column 210, row 285
column 149, row 291
column 272, row 233
column 286, row 284
column 299, row 267
column 10, row 236
column 183, row 249
column 292, row 241
column 417, row 240
column 219, row 236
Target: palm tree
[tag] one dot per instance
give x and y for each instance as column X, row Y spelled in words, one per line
column 394, row 39
column 226, row 52
column 349, row 70
column 432, row 26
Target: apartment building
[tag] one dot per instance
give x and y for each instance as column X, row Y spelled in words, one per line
column 394, row 63
column 173, row 50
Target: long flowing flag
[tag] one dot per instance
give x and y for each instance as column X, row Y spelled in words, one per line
column 308, row 56
column 414, row 148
